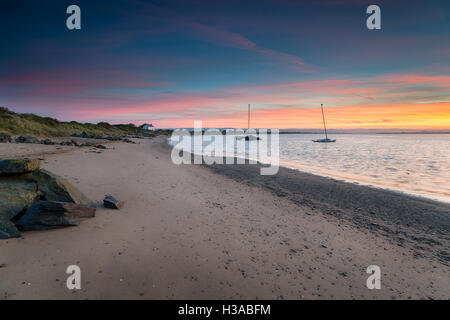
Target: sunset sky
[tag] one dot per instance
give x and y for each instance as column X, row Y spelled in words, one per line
column 172, row 62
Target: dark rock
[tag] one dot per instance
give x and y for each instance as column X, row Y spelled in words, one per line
column 47, row 142
column 55, row 188
column 128, row 140
column 5, row 138
column 27, row 139
column 44, row 215
column 112, row 138
column 99, row 146
column 73, row 142
column 8, row 229
column 82, row 135
column 18, row 166
column 16, row 194
column 112, row 203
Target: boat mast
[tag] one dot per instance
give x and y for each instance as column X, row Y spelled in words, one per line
column 248, row 122
column 324, row 126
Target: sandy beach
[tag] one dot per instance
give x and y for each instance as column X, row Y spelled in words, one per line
column 225, row 232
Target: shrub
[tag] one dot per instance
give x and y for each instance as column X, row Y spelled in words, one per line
column 4, row 110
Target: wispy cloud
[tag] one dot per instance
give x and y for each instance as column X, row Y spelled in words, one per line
column 218, row 36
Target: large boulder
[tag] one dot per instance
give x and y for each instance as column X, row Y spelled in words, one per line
column 5, row 138
column 55, row 188
column 27, row 139
column 8, row 229
column 44, row 215
column 18, row 166
column 16, row 194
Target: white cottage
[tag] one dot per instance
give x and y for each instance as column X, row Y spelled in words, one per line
column 149, row 127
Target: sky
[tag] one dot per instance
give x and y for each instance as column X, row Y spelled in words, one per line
column 172, row 62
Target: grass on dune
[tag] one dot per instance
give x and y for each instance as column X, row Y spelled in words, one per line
column 31, row 124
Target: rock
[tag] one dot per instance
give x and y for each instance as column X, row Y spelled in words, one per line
column 44, row 215
column 100, row 146
column 16, row 194
column 5, row 138
column 55, row 188
column 18, row 166
column 8, row 229
column 128, row 140
column 47, row 142
column 82, row 135
column 112, row 203
column 112, row 138
column 27, row 139
column 87, row 144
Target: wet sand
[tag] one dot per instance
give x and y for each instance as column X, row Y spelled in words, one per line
column 225, row 232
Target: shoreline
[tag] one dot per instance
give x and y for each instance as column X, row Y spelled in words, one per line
column 190, row 232
column 394, row 213
column 371, row 185
column 424, row 194
column 403, row 216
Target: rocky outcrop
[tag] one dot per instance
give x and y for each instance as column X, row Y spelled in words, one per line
column 44, row 215
column 5, row 138
column 22, row 187
column 18, row 166
column 55, row 188
column 27, row 139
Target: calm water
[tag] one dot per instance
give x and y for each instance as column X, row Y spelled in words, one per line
column 411, row 163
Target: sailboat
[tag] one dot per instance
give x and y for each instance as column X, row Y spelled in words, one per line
column 326, row 140
column 249, row 137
